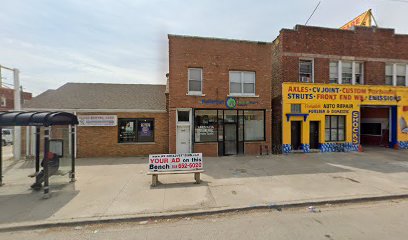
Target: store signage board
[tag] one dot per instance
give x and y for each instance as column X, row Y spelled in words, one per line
column 97, row 120
column 175, row 162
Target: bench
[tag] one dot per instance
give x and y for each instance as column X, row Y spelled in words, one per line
column 155, row 175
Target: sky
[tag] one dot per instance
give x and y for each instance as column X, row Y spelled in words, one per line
column 125, row 41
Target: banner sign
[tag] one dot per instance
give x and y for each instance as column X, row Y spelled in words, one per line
column 355, row 127
column 229, row 102
column 363, row 19
column 175, row 162
column 318, row 94
column 97, row 120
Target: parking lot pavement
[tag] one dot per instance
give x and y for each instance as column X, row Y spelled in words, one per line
column 109, row 188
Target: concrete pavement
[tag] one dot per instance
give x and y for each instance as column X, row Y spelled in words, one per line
column 7, row 152
column 119, row 188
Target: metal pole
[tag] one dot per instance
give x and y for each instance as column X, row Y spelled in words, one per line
column 72, row 175
column 37, row 149
column 17, row 107
column 1, row 157
column 45, row 162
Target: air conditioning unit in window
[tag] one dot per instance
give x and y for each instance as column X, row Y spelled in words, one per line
column 304, row 79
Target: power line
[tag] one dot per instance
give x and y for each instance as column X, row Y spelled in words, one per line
column 312, row 13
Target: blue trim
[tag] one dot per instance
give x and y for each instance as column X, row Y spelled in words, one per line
column 304, row 115
column 393, row 126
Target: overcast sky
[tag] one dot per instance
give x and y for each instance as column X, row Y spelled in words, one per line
column 125, row 41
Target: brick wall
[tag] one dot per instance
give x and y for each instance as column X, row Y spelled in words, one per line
column 372, row 46
column 216, row 57
column 362, row 42
column 9, row 95
column 103, row 141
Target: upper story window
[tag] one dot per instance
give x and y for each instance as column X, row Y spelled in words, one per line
column 305, row 70
column 401, row 75
column 358, row 73
column 396, row 74
column 3, row 101
column 346, row 72
column 334, row 72
column 195, row 81
column 388, row 74
column 242, row 83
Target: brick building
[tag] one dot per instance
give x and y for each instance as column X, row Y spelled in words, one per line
column 7, row 98
column 311, row 89
column 115, row 119
column 335, row 90
column 219, row 96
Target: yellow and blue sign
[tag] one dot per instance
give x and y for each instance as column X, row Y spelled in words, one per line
column 320, row 100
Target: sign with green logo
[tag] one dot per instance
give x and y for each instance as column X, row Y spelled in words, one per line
column 231, row 103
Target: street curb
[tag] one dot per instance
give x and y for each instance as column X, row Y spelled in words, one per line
column 193, row 213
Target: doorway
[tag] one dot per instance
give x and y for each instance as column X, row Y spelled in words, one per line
column 376, row 126
column 183, row 139
column 314, row 134
column 230, row 139
column 296, row 134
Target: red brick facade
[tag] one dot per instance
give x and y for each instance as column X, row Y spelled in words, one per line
column 8, row 94
column 217, row 57
column 374, row 47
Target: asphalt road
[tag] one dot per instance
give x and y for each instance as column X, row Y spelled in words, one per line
column 384, row 220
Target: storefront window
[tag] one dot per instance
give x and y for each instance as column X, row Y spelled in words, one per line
column 220, row 125
column 205, row 125
column 254, row 125
column 136, row 130
column 335, row 128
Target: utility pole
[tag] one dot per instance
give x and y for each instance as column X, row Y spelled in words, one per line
column 17, row 107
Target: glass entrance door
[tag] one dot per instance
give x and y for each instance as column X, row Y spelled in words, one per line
column 230, row 138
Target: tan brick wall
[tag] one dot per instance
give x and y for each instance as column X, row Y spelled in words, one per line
column 103, row 141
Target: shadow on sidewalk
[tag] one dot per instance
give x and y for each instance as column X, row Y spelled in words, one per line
column 29, row 205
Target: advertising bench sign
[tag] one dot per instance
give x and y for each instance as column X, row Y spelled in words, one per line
column 97, row 120
column 175, row 162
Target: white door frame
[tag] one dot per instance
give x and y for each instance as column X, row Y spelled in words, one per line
column 189, row 124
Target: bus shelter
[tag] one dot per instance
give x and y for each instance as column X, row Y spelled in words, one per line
column 39, row 120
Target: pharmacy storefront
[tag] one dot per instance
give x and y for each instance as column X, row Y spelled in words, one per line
column 222, row 127
column 343, row 118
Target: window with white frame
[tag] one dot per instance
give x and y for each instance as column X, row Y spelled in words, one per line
column 334, row 72
column 388, row 74
column 242, row 83
column 358, row 73
column 401, row 74
column 305, row 70
column 195, row 80
column 396, row 74
column 3, row 101
column 346, row 72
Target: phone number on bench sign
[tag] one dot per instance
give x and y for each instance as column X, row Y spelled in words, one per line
column 175, row 162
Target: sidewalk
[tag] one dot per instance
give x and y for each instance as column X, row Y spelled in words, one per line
column 119, row 188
